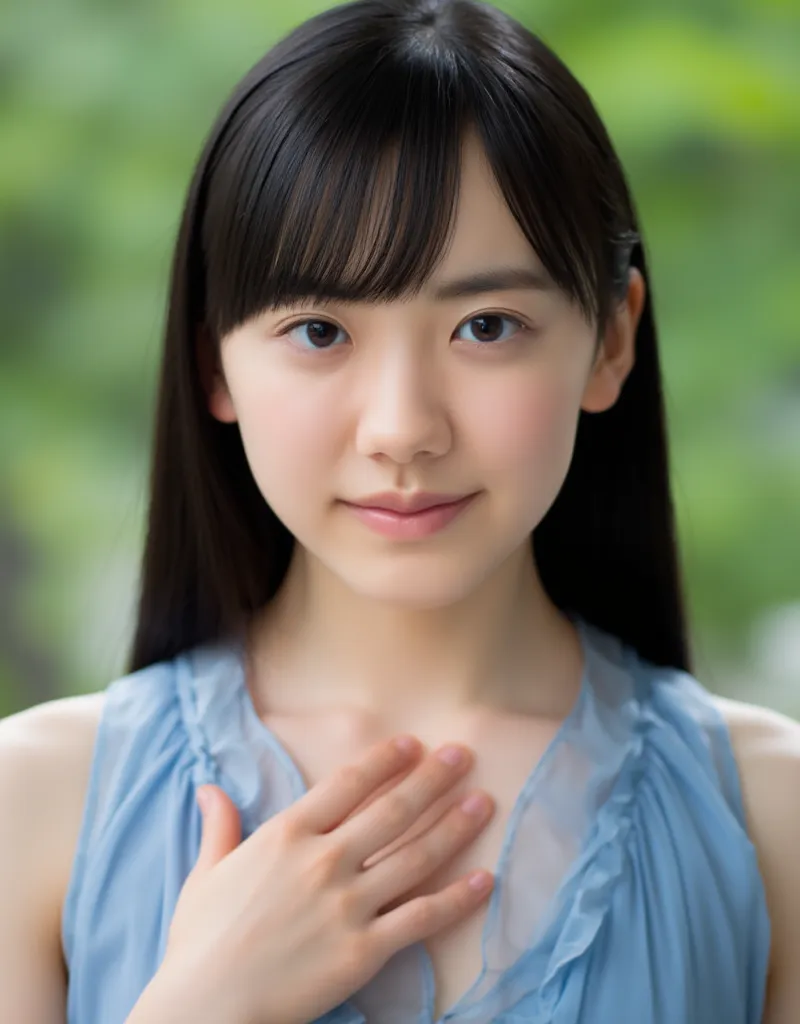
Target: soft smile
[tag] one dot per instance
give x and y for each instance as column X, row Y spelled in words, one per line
column 410, row 525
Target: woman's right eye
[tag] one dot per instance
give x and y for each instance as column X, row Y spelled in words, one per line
column 313, row 335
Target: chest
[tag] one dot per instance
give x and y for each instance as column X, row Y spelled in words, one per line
column 505, row 758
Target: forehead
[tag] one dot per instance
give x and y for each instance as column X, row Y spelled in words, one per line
column 485, row 227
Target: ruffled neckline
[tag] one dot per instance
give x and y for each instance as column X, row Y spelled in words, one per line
column 560, row 855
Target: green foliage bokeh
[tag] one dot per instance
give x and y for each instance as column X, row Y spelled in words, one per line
column 103, row 110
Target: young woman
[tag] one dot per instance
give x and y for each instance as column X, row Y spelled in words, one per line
column 410, row 477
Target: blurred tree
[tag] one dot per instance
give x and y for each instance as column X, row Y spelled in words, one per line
column 103, row 110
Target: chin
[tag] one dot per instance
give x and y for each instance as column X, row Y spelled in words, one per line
column 421, row 583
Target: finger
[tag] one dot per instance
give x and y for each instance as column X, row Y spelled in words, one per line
column 222, row 828
column 396, row 874
column 400, row 808
column 329, row 802
column 423, row 916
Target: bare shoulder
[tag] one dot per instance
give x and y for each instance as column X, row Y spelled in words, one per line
column 767, row 749
column 766, row 745
column 753, row 723
column 57, row 736
column 45, row 760
column 45, row 763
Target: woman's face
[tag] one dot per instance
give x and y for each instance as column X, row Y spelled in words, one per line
column 474, row 392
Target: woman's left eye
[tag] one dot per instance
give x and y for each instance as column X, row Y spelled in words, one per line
column 488, row 327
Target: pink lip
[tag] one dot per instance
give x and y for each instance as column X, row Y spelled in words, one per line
column 410, row 525
column 405, row 503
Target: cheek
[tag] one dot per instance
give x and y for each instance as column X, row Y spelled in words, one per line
column 288, row 439
column 527, row 432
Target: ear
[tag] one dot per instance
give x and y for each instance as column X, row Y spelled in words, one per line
column 616, row 354
column 212, row 378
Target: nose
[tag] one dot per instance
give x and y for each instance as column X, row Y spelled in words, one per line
column 402, row 413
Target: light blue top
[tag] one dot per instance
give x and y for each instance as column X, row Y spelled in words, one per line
column 627, row 890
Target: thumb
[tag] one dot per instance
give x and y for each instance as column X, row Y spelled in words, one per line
column 222, row 829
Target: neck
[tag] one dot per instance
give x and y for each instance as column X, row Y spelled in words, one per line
column 319, row 646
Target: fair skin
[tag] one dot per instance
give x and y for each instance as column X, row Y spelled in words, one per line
column 450, row 638
column 404, row 399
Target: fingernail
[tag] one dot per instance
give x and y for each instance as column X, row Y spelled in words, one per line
column 476, row 803
column 451, row 755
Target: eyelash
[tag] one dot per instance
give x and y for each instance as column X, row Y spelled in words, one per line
column 523, row 329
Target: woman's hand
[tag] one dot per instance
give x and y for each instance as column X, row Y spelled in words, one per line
column 286, row 925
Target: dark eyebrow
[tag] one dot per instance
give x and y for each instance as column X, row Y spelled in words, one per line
column 500, row 280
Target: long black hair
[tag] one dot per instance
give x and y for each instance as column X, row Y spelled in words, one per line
column 289, row 181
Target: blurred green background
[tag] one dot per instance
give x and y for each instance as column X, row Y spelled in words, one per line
column 103, row 110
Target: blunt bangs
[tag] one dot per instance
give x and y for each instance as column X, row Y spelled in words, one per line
column 343, row 190
column 338, row 179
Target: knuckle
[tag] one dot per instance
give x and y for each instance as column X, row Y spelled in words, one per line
column 284, row 829
column 422, row 914
column 452, row 833
column 280, row 832
column 345, row 905
column 396, row 809
column 418, row 860
column 326, row 863
column 351, row 776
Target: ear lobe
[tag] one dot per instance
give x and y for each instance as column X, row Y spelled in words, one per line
column 615, row 359
column 220, row 404
column 602, row 391
column 212, row 379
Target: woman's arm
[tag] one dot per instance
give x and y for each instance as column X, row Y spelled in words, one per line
column 767, row 747
column 45, row 757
